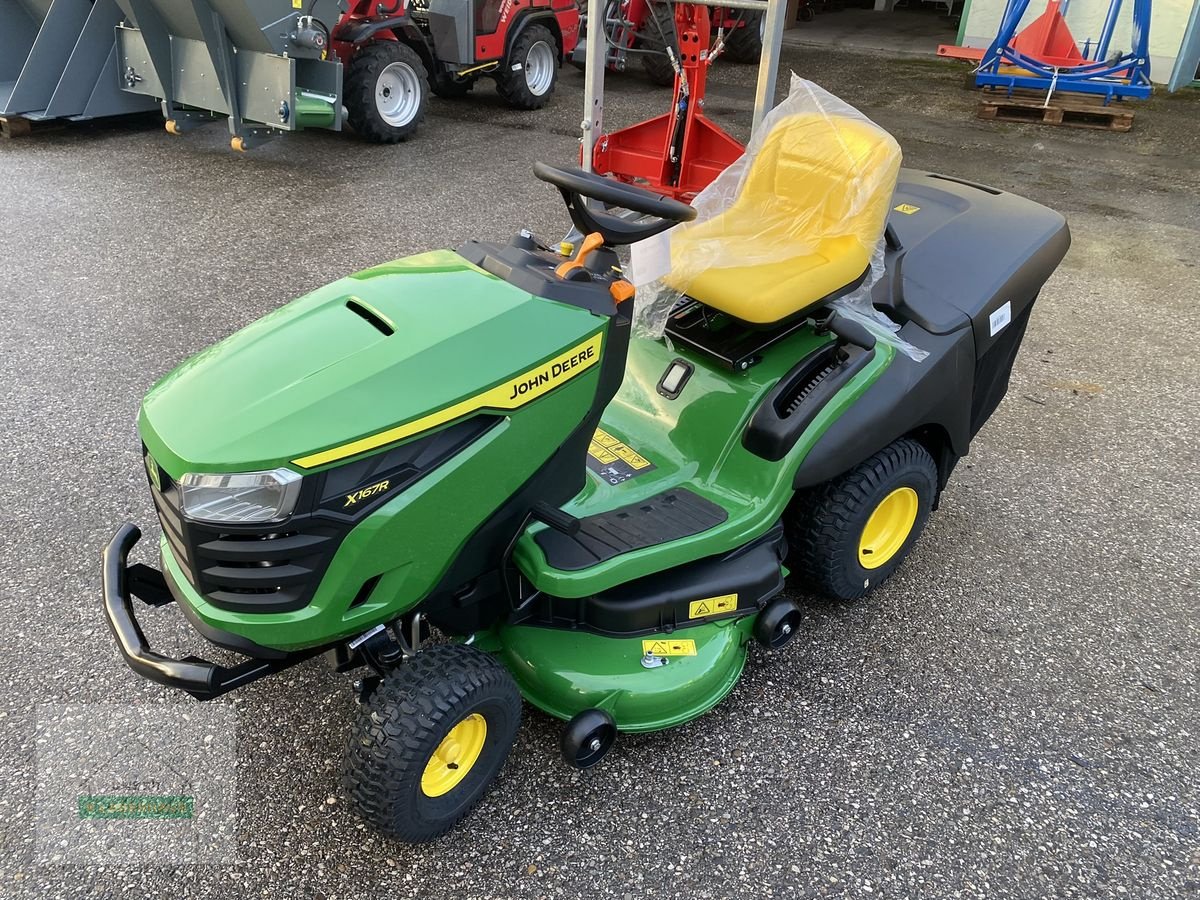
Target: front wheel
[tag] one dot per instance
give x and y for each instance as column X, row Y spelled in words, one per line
column 428, row 741
column 387, row 91
column 527, row 78
column 849, row 535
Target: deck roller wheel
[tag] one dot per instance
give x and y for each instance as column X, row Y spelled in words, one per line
column 588, row 737
column 777, row 623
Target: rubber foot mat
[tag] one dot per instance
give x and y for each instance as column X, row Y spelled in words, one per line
column 664, row 517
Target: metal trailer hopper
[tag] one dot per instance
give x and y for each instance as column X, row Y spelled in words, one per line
column 58, row 59
column 261, row 63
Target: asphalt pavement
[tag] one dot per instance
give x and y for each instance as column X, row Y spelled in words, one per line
column 1015, row 714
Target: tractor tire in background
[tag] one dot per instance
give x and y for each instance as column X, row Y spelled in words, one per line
column 428, row 740
column 659, row 24
column 850, row 534
column 745, row 44
column 386, row 92
column 448, row 87
column 527, row 78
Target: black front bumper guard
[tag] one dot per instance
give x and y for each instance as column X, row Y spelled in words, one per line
column 202, row 679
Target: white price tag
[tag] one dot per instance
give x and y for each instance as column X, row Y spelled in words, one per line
column 650, row 260
column 1000, row 318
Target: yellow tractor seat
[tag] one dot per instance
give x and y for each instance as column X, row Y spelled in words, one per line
column 810, row 209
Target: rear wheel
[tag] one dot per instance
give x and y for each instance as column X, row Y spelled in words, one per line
column 656, row 34
column 527, row 78
column 429, row 739
column 387, row 91
column 744, row 44
column 850, row 534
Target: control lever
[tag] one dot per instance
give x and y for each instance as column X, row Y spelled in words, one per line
column 845, row 329
column 555, row 518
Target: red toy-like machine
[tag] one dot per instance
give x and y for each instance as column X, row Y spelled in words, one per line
column 681, row 152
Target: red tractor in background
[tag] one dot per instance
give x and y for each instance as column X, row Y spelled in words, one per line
column 393, row 51
column 646, row 28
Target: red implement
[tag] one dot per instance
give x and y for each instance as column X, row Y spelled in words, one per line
column 681, row 152
column 1048, row 39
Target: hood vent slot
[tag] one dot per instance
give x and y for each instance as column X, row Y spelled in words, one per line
column 366, row 311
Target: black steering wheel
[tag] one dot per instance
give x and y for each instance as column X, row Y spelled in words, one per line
column 575, row 185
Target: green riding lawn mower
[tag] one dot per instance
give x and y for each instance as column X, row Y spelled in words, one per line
column 602, row 525
column 597, row 521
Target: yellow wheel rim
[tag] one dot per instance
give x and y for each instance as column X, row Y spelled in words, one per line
column 888, row 528
column 454, row 756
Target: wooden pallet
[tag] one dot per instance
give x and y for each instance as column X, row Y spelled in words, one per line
column 1072, row 110
column 14, row 126
column 19, row 126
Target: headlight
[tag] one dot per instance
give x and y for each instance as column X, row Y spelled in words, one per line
column 245, row 498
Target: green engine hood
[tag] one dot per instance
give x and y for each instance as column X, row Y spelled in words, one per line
column 319, row 380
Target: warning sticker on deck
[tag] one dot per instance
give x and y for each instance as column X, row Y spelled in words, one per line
column 907, row 208
column 698, row 609
column 669, row 647
column 613, row 460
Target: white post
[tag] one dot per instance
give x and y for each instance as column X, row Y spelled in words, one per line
column 593, row 81
column 768, row 66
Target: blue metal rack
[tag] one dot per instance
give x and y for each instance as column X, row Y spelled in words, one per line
column 1117, row 77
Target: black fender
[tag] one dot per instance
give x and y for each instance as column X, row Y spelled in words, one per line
column 402, row 27
column 542, row 16
column 929, row 400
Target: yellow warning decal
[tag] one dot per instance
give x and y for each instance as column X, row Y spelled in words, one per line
column 601, row 454
column 907, row 208
column 511, row 394
column 297, row 4
column 669, row 647
column 607, row 448
column 698, row 609
column 613, row 460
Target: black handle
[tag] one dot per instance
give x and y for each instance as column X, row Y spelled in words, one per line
column 556, row 518
column 848, row 331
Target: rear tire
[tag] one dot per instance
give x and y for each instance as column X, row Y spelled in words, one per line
column 387, row 92
column 660, row 21
column 405, row 773
column 840, row 547
column 527, row 78
column 744, row 45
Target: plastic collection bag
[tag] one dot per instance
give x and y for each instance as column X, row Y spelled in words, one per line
column 798, row 216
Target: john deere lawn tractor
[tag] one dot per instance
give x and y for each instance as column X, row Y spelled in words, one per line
column 598, row 522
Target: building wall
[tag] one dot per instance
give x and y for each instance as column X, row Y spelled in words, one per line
column 1085, row 18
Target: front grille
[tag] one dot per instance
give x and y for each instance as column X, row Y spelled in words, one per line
column 272, row 568
column 277, row 567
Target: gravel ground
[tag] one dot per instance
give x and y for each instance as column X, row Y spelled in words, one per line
column 1014, row 715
